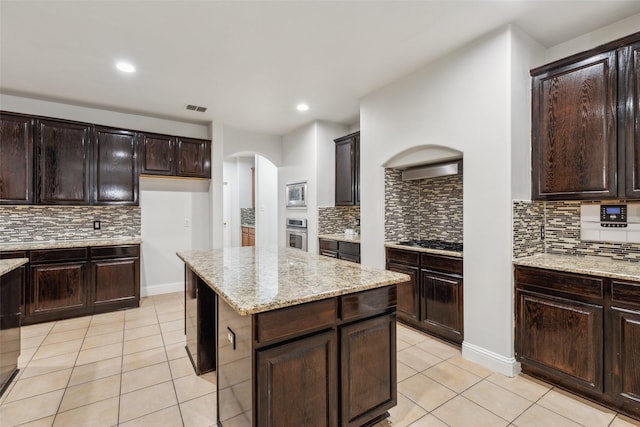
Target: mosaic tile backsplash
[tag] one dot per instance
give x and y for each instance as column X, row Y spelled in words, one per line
column 334, row 219
column 562, row 232
column 423, row 209
column 248, row 216
column 43, row 223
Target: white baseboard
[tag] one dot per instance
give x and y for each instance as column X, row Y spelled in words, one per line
column 163, row 288
column 504, row 365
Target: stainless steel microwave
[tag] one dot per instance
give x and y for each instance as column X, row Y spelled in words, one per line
column 297, row 195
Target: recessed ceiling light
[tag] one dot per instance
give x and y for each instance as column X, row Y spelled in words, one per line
column 302, row 107
column 125, row 67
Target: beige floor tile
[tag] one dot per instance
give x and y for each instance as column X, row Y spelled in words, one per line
column 99, row 353
column 523, row 385
column 496, row 399
column 140, row 322
column 102, row 340
column 193, row 386
column 142, row 344
column 174, row 325
column 39, row 385
column 91, row 392
column 51, row 350
column 42, row 422
column 440, row 349
column 404, row 371
column 105, row 328
column 175, row 351
column 449, row 375
column 461, row 412
column 114, row 316
column 622, row 421
column 428, row 421
column 33, row 408
column 181, row 367
column 537, row 416
column 579, row 410
column 401, row 345
column 36, row 330
column 26, row 354
column 425, row 392
column 95, row 371
column 145, row 302
column 31, row 342
column 145, row 377
column 411, row 336
column 165, row 417
column 98, row 414
column 140, row 312
column 467, row 365
column 404, row 413
column 418, row 359
column 59, row 337
column 146, row 401
column 50, row 364
column 174, row 337
column 200, row 412
column 70, row 324
column 164, row 317
column 143, row 358
column 144, row 331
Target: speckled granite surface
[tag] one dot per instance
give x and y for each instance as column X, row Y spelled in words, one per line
column 417, row 249
column 257, row 279
column 8, row 265
column 596, row 266
column 61, row 244
column 342, row 237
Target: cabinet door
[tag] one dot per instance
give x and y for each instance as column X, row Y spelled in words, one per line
column 368, row 383
column 544, row 325
column 305, row 368
column 194, row 158
column 349, row 257
column 63, row 157
column 115, row 281
column 408, row 297
column 442, row 304
column 116, row 168
column 626, row 355
column 16, row 160
column 157, row 155
column 252, row 236
column 574, row 139
column 245, row 236
column 356, row 169
column 345, row 172
column 629, row 119
column 57, row 288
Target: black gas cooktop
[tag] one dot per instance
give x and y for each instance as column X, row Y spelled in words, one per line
column 433, row 244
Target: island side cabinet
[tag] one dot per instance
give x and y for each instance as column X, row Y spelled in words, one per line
column 309, row 364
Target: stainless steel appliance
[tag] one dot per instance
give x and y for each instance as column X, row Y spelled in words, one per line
column 297, row 195
column 297, row 233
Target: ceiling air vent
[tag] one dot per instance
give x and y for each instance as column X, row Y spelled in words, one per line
column 196, row 108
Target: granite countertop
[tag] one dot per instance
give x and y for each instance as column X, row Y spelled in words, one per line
column 8, row 265
column 342, row 237
column 62, row 244
column 592, row 265
column 419, row 249
column 257, row 279
column 248, row 225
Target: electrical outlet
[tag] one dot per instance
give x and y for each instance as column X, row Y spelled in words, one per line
column 231, row 337
column 187, row 223
column 358, row 221
column 96, row 225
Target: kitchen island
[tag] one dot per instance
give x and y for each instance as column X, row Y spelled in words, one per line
column 301, row 339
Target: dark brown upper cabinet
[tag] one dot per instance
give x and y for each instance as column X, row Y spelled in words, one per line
column 194, row 158
column 63, row 158
column 157, row 155
column 115, row 163
column 16, row 159
column 348, row 170
column 175, row 156
column 584, row 130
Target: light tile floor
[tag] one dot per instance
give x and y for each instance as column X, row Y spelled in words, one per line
column 130, row 368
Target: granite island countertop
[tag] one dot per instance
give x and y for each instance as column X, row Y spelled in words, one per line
column 426, row 250
column 341, row 237
column 8, row 265
column 258, row 279
column 63, row 244
column 591, row 265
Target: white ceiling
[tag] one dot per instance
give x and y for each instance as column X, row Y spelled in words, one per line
column 251, row 62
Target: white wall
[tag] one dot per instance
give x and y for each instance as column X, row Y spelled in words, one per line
column 326, row 132
column 231, row 203
column 266, row 202
column 239, row 142
column 245, row 180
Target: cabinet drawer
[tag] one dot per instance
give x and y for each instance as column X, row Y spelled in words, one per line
column 442, row 263
column 296, row 320
column 573, row 284
column 349, row 248
column 368, row 302
column 115, row 251
column 329, row 245
column 625, row 293
column 14, row 254
column 403, row 257
column 54, row 255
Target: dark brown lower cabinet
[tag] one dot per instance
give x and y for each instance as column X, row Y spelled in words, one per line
column 442, row 304
column 11, row 285
column 348, row 251
column 115, row 277
column 200, row 323
column 581, row 333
